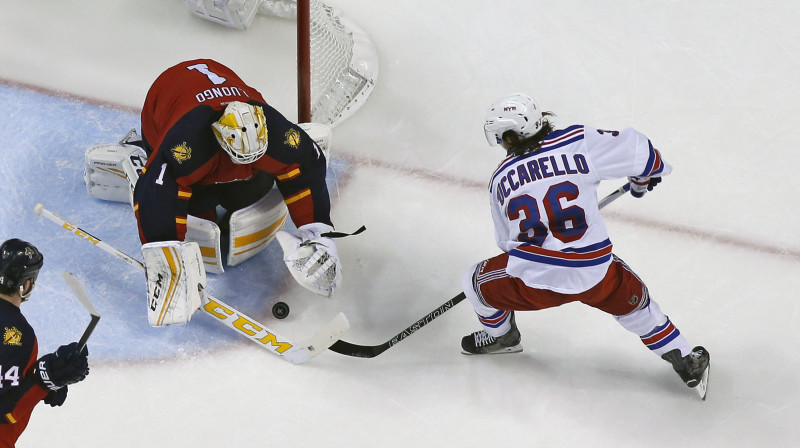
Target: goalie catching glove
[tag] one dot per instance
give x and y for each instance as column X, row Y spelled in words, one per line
column 312, row 259
column 175, row 281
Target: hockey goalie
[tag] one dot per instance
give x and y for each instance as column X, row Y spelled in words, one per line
column 215, row 158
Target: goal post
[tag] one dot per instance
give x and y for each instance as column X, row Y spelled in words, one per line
column 303, row 61
column 337, row 64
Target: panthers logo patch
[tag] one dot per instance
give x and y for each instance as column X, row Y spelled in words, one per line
column 12, row 336
column 182, row 152
column 292, row 138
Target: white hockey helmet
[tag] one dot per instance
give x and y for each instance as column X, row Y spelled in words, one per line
column 517, row 112
column 242, row 132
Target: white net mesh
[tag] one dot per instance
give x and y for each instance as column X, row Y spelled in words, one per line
column 344, row 63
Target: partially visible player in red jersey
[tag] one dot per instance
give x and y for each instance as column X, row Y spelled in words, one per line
column 198, row 148
column 25, row 381
column 214, row 150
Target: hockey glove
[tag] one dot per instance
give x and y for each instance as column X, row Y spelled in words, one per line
column 312, row 259
column 65, row 366
column 641, row 185
column 56, row 397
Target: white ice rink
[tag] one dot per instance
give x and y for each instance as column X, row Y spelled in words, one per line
column 714, row 84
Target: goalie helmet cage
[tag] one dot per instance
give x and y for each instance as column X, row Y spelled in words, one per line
column 337, row 64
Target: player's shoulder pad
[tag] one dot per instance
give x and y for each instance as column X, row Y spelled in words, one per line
column 190, row 143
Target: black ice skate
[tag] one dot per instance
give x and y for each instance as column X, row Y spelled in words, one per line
column 692, row 368
column 481, row 343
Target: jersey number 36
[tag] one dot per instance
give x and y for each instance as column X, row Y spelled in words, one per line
column 566, row 224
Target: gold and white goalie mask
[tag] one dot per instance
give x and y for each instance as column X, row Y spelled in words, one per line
column 242, row 132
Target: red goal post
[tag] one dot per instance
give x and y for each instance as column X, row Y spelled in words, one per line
column 337, row 65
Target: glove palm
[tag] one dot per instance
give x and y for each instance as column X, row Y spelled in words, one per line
column 312, row 259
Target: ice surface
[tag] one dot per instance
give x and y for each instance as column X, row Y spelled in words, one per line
column 711, row 83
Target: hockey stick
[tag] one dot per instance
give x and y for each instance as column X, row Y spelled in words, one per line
column 79, row 292
column 371, row 351
column 296, row 353
column 30, row 380
column 614, row 195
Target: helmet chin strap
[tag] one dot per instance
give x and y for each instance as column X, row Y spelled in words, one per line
column 22, row 292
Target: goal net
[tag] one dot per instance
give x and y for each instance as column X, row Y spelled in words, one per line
column 337, row 62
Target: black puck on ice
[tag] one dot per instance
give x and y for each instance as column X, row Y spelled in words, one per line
column 280, row 310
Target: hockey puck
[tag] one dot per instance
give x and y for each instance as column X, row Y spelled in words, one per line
column 280, row 310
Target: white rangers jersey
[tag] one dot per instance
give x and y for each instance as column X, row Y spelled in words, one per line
column 544, row 204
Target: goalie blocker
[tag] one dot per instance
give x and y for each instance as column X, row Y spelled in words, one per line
column 111, row 170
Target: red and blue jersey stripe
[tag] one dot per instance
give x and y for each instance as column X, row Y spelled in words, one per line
column 661, row 336
column 592, row 255
column 563, row 137
column 554, row 140
column 495, row 320
column 655, row 165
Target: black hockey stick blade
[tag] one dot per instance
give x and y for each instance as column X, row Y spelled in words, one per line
column 371, row 351
column 79, row 292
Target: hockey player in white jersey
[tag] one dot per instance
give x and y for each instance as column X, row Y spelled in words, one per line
column 556, row 248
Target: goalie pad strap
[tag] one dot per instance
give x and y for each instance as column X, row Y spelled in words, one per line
column 175, row 279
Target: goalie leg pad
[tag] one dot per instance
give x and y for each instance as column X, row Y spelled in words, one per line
column 322, row 136
column 175, row 281
column 111, row 171
column 207, row 235
column 253, row 227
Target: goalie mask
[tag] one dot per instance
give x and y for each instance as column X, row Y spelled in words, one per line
column 517, row 112
column 242, row 132
column 19, row 261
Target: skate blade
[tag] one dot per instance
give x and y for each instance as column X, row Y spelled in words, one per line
column 702, row 386
column 515, row 349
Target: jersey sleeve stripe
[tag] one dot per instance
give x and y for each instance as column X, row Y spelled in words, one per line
column 298, row 196
column 654, row 165
column 289, row 175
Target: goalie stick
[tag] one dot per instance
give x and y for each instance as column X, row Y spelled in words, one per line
column 371, row 351
column 296, row 353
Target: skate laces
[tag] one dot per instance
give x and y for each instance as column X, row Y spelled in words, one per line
column 482, row 339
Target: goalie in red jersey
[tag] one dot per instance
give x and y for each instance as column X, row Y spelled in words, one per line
column 213, row 146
